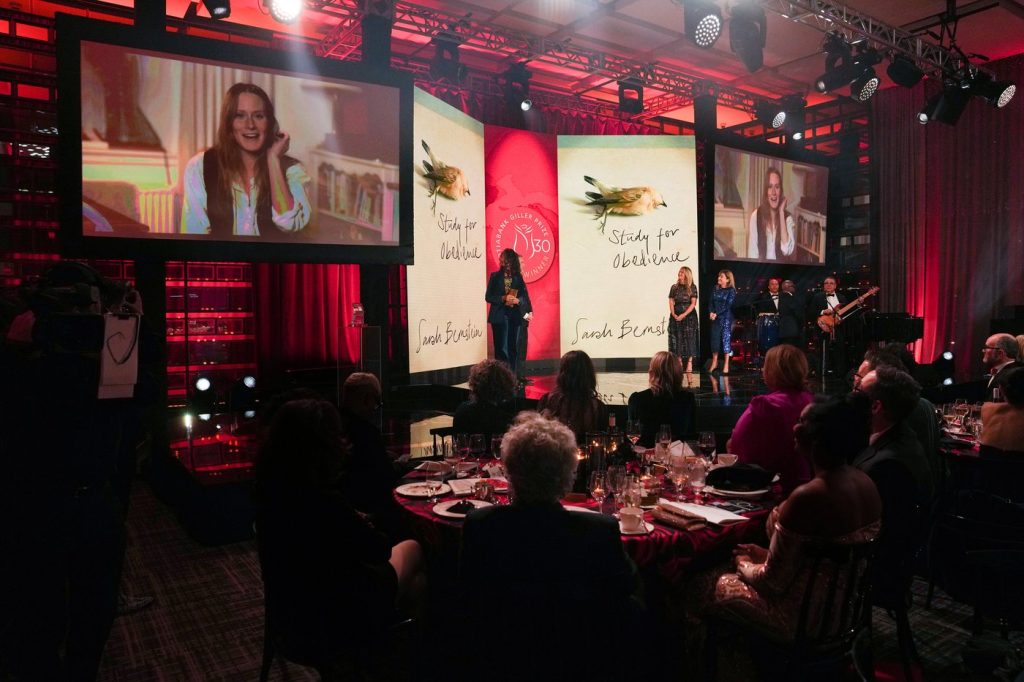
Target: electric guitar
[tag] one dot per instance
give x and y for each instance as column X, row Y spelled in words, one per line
column 827, row 323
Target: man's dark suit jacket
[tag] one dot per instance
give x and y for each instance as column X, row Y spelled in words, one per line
column 990, row 388
column 790, row 315
column 544, row 584
column 897, row 465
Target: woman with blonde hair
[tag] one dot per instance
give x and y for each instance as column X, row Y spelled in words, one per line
column 721, row 319
column 682, row 324
column 664, row 402
column 764, row 433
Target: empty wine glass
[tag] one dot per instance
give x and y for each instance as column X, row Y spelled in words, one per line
column 696, row 470
column 476, row 445
column 496, row 446
column 435, row 483
column 662, row 441
column 616, row 479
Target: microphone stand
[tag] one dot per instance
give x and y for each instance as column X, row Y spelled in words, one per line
column 826, row 343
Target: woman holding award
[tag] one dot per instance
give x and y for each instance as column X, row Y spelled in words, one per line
column 509, row 306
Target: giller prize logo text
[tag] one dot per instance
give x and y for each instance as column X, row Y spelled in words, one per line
column 528, row 234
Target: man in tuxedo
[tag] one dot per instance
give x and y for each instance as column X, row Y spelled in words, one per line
column 833, row 345
column 998, row 354
column 896, row 463
column 776, row 300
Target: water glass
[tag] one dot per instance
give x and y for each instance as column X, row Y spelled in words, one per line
column 598, row 486
column 696, row 471
column 476, row 445
column 616, row 479
column 496, row 447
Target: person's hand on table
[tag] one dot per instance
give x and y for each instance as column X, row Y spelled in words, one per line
column 749, row 553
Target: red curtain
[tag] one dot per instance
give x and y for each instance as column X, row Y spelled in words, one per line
column 302, row 313
column 951, row 215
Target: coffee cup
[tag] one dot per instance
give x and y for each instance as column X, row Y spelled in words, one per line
column 727, row 460
column 631, row 519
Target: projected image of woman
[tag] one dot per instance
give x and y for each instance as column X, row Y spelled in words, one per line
column 771, row 229
column 246, row 185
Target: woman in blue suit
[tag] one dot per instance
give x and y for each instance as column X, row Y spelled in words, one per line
column 510, row 305
column 721, row 320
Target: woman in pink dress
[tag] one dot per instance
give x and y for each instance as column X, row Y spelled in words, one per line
column 764, row 433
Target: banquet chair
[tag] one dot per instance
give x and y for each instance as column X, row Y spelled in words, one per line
column 833, row 621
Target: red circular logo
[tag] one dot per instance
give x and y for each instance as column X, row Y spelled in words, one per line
column 527, row 233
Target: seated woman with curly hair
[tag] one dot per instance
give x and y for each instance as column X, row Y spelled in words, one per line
column 574, row 401
column 490, row 410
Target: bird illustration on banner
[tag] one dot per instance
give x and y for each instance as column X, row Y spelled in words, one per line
column 448, row 181
column 628, row 201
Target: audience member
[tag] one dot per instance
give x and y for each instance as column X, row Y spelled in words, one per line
column 333, row 582
column 840, row 505
column 665, row 402
column 1020, row 347
column 574, row 401
column 896, row 463
column 998, row 354
column 490, row 410
column 922, row 420
column 1003, row 423
column 764, row 433
column 551, row 568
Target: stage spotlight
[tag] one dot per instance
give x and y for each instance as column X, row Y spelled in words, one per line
column 945, row 107
column 242, row 395
column 203, row 384
column 948, row 381
column 747, row 34
column 445, row 65
column 517, row 86
column 865, row 85
column 904, row 72
column 631, row 96
column 285, row 11
column 703, row 22
column 770, row 114
column 796, row 122
column 218, row 9
column 996, row 93
column 943, row 367
column 203, row 399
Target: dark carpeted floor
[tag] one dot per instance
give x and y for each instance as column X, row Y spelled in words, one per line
column 207, row 621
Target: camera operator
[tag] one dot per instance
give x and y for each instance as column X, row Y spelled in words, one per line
column 61, row 525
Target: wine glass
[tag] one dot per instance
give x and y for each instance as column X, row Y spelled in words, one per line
column 598, row 487
column 453, row 454
column 496, row 446
column 435, row 482
column 663, row 439
column 616, row 480
column 633, row 431
column 706, row 443
column 476, row 445
column 679, row 475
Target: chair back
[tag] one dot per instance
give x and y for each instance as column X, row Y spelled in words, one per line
column 836, row 604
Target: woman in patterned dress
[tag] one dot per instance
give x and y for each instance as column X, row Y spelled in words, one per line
column 682, row 325
column 721, row 318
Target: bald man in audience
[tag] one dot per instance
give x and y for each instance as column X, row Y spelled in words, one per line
column 999, row 353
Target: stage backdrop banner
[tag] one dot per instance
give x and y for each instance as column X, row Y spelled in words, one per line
column 628, row 211
column 522, row 214
column 447, row 313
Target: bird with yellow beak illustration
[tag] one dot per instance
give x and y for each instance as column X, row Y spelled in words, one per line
column 448, row 181
column 627, row 201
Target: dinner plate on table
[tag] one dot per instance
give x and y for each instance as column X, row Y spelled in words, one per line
column 569, row 507
column 737, row 494
column 420, row 489
column 445, row 508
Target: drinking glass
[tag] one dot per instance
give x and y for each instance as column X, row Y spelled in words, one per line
column 961, row 407
column 706, row 443
column 663, row 439
column 616, row 480
column 634, row 492
column 462, row 443
column 496, row 447
column 598, row 486
column 453, row 454
column 476, row 445
column 633, row 431
column 435, row 480
column 696, row 471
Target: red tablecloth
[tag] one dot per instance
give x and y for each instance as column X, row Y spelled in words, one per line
column 668, row 550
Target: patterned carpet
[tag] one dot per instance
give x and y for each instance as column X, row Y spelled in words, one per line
column 207, row 622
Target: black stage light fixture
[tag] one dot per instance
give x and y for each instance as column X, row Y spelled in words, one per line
column 838, row 65
column 631, row 96
column 865, row 85
column 517, row 86
column 445, row 64
column 748, row 32
column 377, row 25
column 947, row 106
column 218, row 9
column 796, row 117
column 996, row 93
column 703, row 22
column 770, row 113
column 903, row 71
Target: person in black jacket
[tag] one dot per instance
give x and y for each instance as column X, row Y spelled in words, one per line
column 490, row 410
column 509, row 306
column 823, row 304
column 665, row 402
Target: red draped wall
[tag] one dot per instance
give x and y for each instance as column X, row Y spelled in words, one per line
column 302, row 313
column 951, row 215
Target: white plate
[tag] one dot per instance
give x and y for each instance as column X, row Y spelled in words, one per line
column 421, row 490
column 441, row 508
column 737, row 494
column 648, row 527
column 571, row 508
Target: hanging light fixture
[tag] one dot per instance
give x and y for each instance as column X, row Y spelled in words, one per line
column 702, row 21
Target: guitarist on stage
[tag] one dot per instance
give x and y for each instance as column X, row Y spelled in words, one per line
column 833, row 345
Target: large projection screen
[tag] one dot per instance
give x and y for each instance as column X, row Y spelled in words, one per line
column 617, row 267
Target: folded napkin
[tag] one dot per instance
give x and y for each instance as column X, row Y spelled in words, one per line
column 669, row 518
column 465, row 486
column 700, row 512
column 678, row 447
column 433, row 466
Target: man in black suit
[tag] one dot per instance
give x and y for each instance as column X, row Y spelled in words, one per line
column 896, row 463
column 824, row 303
column 782, row 303
column 998, row 355
column 556, row 574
